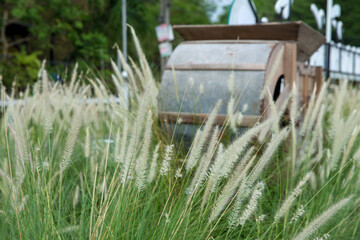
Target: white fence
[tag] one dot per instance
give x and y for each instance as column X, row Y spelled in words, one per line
column 343, row 61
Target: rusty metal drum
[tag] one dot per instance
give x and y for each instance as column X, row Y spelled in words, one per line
column 219, row 62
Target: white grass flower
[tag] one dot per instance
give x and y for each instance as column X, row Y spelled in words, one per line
column 231, row 83
column 179, row 121
column 298, row 214
column 76, row 196
column 239, row 118
column 316, row 109
column 324, row 237
column 313, row 181
column 142, row 162
column 231, row 115
column 286, row 205
column 103, row 188
column 165, row 166
column 253, row 203
column 308, row 112
column 225, row 161
column 237, row 179
column 69, row 229
column 70, row 141
column 200, row 139
column 153, row 166
column 245, row 107
column 265, row 158
column 87, row 143
column 191, row 82
column 202, row 170
column 260, row 218
column 166, row 215
column 178, row 173
column 201, row 89
column 308, row 231
column 124, row 136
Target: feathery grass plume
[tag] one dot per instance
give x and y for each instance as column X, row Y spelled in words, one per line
column 19, row 132
column 122, row 92
column 87, row 143
column 153, row 166
column 293, row 117
column 350, row 134
column 308, row 231
column 343, row 132
column 253, row 203
column 178, row 173
column 278, row 111
column 198, row 146
column 308, row 112
column 232, row 118
column 134, row 140
column 131, row 77
column 151, row 86
column 73, row 78
column 231, row 186
column 265, row 158
column 201, row 171
column 298, row 214
column 165, row 166
column 223, row 200
column 142, row 162
column 225, row 161
column 124, row 138
column 273, row 112
column 336, row 115
column 324, row 237
column 70, row 141
column 349, row 147
column 46, row 109
column 277, row 64
column 316, row 110
column 118, row 76
column 286, row 205
column 138, row 72
column 231, row 83
column 241, row 195
column 319, row 135
column 76, row 196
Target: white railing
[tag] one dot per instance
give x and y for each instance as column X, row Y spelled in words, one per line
column 342, row 62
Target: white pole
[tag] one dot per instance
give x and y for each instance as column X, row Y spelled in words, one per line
column 124, row 29
column 328, row 20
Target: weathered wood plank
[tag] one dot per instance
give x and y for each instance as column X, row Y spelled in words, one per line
column 190, row 118
column 219, row 66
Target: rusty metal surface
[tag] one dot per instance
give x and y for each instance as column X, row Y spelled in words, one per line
column 308, row 40
column 225, row 56
column 199, row 91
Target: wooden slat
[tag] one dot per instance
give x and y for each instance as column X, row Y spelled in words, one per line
column 308, row 42
column 274, row 71
column 306, row 69
column 266, row 31
column 290, row 63
column 306, row 89
column 190, row 118
column 318, row 79
column 229, row 67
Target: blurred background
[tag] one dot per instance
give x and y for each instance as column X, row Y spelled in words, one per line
column 84, row 31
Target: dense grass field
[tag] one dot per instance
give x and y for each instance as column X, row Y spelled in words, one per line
column 73, row 168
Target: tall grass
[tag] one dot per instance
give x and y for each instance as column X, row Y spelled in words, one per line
column 72, row 168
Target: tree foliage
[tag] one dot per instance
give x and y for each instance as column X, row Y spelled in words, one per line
column 65, row 31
